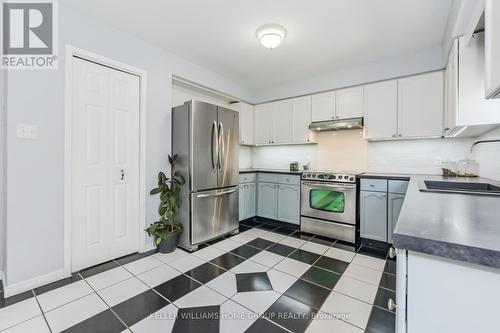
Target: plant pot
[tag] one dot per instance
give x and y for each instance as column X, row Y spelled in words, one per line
column 169, row 244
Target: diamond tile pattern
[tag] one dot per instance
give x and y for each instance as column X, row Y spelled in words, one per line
column 253, row 282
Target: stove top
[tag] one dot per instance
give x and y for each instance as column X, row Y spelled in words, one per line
column 330, row 176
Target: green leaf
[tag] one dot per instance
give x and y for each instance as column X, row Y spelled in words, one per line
column 158, row 241
column 155, row 191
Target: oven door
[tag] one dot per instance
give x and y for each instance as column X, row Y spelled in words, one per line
column 329, row 201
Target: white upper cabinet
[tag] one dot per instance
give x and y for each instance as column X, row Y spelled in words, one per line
column 421, row 105
column 282, row 123
column 246, row 123
column 349, row 103
column 451, row 90
column 323, row 106
column 263, row 125
column 381, row 110
column 301, row 119
column 492, row 48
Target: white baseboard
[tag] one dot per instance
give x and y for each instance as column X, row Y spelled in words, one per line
column 19, row 287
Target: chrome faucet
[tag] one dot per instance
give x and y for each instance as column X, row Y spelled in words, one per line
column 482, row 141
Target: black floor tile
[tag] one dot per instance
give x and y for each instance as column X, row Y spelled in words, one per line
column 196, row 320
column 291, row 314
column 102, row 322
column 322, row 240
column 88, row 272
column 245, row 251
column 57, row 284
column 390, row 266
column 260, row 243
column 285, row 231
column 373, row 252
column 334, row 265
column 205, row 272
column 282, row 250
column 381, row 321
column 304, row 256
column 177, row 287
column 251, row 223
column 268, row 227
column 308, row 293
column 131, row 257
column 4, row 302
column 302, row 235
column 383, row 296
column 262, row 325
column 253, row 282
column 322, row 277
column 388, row 281
column 346, row 246
column 139, row 307
column 244, row 228
column 227, row 261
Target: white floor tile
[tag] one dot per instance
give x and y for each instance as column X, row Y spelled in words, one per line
column 271, row 236
column 364, row 274
column 161, row 321
column 158, row 275
column 224, row 284
column 169, row 257
column 293, row 242
column 227, row 245
column 201, row 296
column 357, row 289
column 208, row 253
column 108, row 278
column 34, row 325
column 314, row 248
column 18, row 312
column 370, row 262
column 72, row 313
column 324, row 322
column 142, row 265
column 235, row 318
column 244, row 237
column 60, row 296
column 256, row 232
column 266, row 258
column 249, row 266
column 353, row 311
column 293, row 267
column 186, row 263
column 122, row 291
column 340, row 254
column 280, row 281
column 257, row 301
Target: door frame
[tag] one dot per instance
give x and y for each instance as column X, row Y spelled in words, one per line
column 71, row 52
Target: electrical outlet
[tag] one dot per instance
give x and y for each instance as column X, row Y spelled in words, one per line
column 27, row 131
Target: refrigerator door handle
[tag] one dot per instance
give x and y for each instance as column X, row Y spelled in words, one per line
column 222, row 148
column 216, row 194
column 214, row 147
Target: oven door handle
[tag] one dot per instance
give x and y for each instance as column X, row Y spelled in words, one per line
column 344, row 186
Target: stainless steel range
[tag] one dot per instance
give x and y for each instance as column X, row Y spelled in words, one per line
column 328, row 204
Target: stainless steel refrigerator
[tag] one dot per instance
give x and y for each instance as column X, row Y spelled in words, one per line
column 206, row 138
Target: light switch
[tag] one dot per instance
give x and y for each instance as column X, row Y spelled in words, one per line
column 27, row 131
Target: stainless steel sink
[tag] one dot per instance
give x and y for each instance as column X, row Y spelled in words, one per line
column 459, row 187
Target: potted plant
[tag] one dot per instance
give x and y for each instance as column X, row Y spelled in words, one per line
column 167, row 229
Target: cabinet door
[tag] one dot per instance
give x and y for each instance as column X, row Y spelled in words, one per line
column 282, row 124
column 266, row 201
column 323, row 106
column 289, row 203
column 373, row 215
column 246, row 124
column 451, row 90
column 393, row 208
column 263, row 125
column 250, row 197
column 349, row 103
column 241, row 201
column 381, row 110
column 421, row 105
column 301, row 119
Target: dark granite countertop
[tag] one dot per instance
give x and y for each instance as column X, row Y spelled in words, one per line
column 281, row 171
column 393, row 176
column 464, row 227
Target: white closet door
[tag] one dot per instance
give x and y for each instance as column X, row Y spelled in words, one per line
column 105, row 164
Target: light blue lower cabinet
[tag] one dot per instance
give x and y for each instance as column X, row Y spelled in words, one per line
column 289, row 203
column 394, row 204
column 250, row 200
column 373, row 215
column 267, row 197
column 242, row 202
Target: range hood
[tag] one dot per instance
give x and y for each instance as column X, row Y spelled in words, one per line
column 337, row 125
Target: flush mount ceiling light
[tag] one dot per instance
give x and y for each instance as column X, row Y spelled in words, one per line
column 271, row 35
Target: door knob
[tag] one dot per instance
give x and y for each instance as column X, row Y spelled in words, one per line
column 122, row 174
column 391, row 305
column 392, row 253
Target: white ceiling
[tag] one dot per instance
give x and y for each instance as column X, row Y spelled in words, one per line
column 323, row 35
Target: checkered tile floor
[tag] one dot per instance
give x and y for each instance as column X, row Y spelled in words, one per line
column 268, row 278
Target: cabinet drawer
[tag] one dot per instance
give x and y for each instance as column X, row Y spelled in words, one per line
column 377, row 185
column 289, row 179
column 267, row 177
column 248, row 178
column 398, row 186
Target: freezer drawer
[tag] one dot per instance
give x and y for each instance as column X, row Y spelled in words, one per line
column 214, row 213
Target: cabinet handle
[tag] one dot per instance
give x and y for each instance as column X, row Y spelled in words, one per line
column 400, row 135
column 391, row 305
column 394, row 135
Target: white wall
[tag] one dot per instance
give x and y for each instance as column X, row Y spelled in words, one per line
column 35, row 167
column 347, row 151
column 488, row 156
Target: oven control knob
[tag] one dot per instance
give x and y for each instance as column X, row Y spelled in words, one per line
column 314, row 176
column 351, row 179
column 346, row 177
